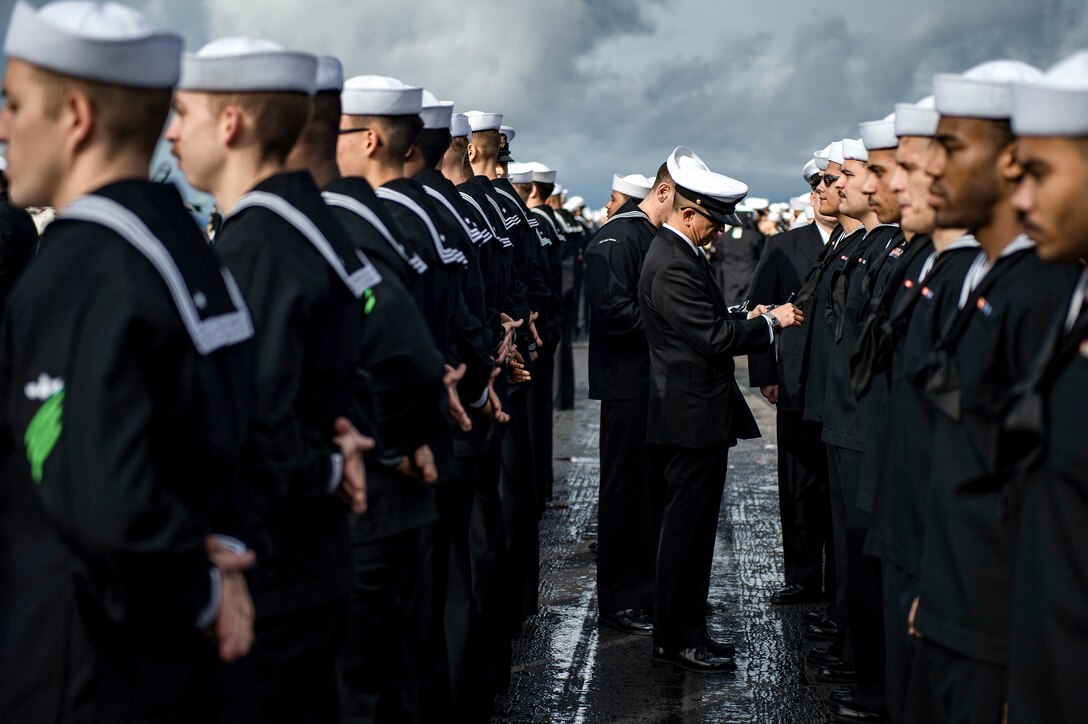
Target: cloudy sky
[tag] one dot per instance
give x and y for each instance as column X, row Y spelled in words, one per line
column 596, row 87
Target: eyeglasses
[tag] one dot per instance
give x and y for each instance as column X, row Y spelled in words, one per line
column 708, row 217
column 815, row 182
column 828, row 179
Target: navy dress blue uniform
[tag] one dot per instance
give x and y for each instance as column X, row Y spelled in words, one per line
column 630, row 500
column 126, row 387
column 802, row 465
column 696, row 413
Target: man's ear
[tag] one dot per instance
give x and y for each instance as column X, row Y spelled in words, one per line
column 473, row 152
column 230, row 125
column 78, row 114
column 1008, row 164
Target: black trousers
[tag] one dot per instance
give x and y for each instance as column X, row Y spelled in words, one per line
column 629, row 509
column 803, row 500
column 564, row 399
column 517, row 491
column 840, row 612
column 380, row 667
column 901, row 648
column 694, row 483
column 541, row 406
column 289, row 676
column 947, row 688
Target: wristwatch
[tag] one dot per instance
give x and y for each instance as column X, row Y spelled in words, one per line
column 775, row 324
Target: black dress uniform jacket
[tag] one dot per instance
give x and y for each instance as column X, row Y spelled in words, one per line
column 307, row 332
column 18, row 239
column 619, row 361
column 126, row 387
column 694, row 400
column 967, row 564
column 787, row 259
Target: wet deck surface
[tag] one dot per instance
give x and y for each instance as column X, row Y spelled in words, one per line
column 566, row 669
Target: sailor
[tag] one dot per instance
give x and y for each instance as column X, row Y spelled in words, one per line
column 1004, row 309
column 126, row 393
column 695, row 411
column 1046, row 678
column 306, row 288
column 632, row 488
column 18, row 237
column 630, row 188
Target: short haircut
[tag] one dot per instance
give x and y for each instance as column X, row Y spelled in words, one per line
column 432, row 143
column 322, row 133
column 459, row 143
column 398, row 133
column 663, row 176
column 131, row 118
column 487, row 142
column 278, row 118
column 544, row 190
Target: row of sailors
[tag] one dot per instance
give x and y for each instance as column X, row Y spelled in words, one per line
column 297, row 477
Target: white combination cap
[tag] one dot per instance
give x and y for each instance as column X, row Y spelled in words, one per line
column 436, row 114
column 715, row 193
column 379, row 95
column 984, row 91
column 104, row 42
column 917, row 119
column 541, row 173
column 459, row 127
column 509, row 132
column 248, row 65
column 854, row 150
column 481, row 121
column 832, row 153
column 519, row 173
column 634, row 185
column 1055, row 105
column 879, row 134
column 810, row 170
column 574, row 203
column 330, row 74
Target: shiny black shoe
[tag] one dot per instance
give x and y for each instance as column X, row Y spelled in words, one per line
column 843, row 696
column 629, row 620
column 791, row 594
column 827, row 632
column 698, row 659
column 817, row 616
column 721, row 649
column 851, row 714
column 836, row 674
column 822, row 657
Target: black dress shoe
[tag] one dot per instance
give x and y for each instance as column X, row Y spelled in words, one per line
column 821, row 657
column 629, row 620
column 841, row 696
column 852, row 714
column 817, row 616
column 826, row 632
column 698, row 659
column 836, row 674
column 791, row 594
column 721, row 649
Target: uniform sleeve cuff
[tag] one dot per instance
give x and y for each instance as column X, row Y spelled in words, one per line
column 231, row 543
column 480, row 402
column 210, row 612
column 770, row 327
column 336, row 471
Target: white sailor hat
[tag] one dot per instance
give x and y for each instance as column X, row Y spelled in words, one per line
column 558, row 190
column 757, row 203
column 854, row 150
column 832, row 153
column 330, row 74
column 3, row 164
column 481, row 121
column 436, row 114
column 798, row 203
column 459, row 127
column 917, row 119
column 984, row 91
column 508, row 132
column 879, row 134
column 574, row 203
column 247, row 65
column 634, row 185
column 1056, row 104
column 541, row 173
column 104, row 42
column 506, row 135
column 810, row 171
column 379, row 95
column 519, row 173
column 714, row 193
